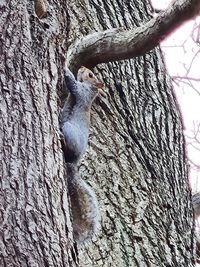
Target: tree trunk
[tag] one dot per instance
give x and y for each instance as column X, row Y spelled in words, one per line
column 35, row 224
column 136, row 157
column 135, row 161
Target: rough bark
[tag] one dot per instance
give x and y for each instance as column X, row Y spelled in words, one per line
column 196, row 207
column 135, row 159
column 35, row 227
column 120, row 43
column 196, row 204
column 136, row 156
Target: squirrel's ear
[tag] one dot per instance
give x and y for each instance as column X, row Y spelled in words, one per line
column 79, row 74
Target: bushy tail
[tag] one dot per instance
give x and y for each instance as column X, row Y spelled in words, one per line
column 84, row 206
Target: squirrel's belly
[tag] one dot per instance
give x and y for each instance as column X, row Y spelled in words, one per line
column 76, row 139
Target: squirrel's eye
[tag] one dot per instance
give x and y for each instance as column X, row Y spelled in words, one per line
column 90, row 75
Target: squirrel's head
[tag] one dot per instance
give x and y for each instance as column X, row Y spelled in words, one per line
column 87, row 76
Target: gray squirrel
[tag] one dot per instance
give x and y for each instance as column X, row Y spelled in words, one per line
column 75, row 123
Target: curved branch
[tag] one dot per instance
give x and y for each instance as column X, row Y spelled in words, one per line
column 118, row 44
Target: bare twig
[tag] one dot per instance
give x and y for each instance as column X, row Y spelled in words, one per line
column 186, row 78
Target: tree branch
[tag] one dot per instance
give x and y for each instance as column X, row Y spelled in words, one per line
column 118, row 44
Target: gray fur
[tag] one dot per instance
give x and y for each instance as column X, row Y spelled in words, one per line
column 85, row 209
column 75, row 122
column 75, row 119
